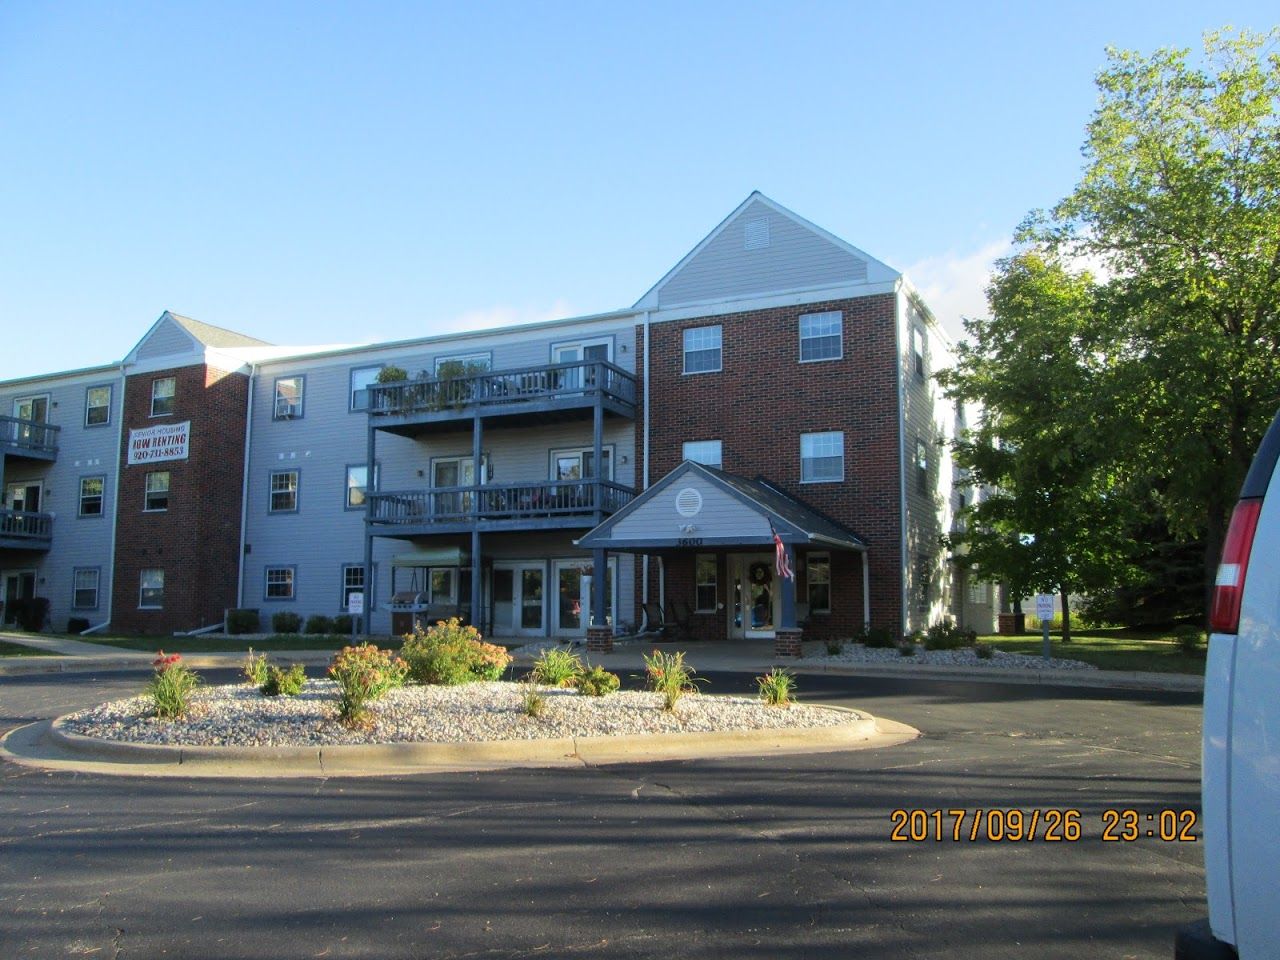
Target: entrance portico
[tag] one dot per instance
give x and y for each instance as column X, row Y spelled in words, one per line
column 718, row 532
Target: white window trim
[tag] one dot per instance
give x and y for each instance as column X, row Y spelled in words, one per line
column 465, row 358
column 606, row 452
column 685, row 456
column 817, row 433
column 801, row 337
column 173, row 397
column 684, row 350
column 141, row 587
column 146, row 491
column 111, row 393
column 302, row 398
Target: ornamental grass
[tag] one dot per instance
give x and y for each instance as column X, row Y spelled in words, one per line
column 171, row 686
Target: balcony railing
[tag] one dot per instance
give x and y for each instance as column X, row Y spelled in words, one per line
column 25, row 530
column 511, row 389
column 29, row 437
column 555, row 499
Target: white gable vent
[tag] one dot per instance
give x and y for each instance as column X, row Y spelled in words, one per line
column 688, row 502
column 755, row 234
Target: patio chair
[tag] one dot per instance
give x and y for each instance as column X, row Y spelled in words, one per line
column 682, row 617
column 657, row 623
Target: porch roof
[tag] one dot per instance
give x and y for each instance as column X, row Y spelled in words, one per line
column 696, row 506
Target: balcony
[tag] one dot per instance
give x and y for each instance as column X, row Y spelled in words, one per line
column 22, row 530
column 28, row 439
column 546, row 505
column 549, row 393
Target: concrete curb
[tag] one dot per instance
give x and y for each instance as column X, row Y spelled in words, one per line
column 48, row 745
column 1102, row 679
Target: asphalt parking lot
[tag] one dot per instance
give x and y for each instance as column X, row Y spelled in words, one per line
column 776, row 857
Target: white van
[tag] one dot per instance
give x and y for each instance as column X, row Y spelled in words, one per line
column 1241, row 762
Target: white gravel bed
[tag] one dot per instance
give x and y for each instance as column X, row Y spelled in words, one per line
column 964, row 657
column 239, row 715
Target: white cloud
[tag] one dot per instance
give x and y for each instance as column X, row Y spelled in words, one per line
column 954, row 284
column 503, row 315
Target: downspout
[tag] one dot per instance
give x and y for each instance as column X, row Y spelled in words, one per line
column 644, row 559
column 115, row 510
column 244, row 488
column 905, row 564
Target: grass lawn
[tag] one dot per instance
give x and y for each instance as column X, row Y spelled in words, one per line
column 18, row 650
column 220, row 644
column 1110, row 649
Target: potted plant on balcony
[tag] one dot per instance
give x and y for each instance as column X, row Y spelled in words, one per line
column 455, row 387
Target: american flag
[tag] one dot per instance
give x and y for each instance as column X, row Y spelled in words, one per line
column 780, row 563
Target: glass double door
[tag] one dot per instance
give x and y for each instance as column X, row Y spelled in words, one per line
column 575, row 378
column 754, row 611
column 519, row 609
column 17, row 585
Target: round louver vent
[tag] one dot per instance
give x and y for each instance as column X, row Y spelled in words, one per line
column 688, row 502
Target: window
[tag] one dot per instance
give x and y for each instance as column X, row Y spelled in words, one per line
column 821, row 457
column 818, row 582
column 917, row 352
column 85, row 592
column 705, row 576
column 922, row 466
column 977, row 591
column 284, row 491
column 471, row 362
column 279, row 583
column 288, row 404
column 821, row 336
column 702, row 349
column 358, row 484
column 162, row 393
column 352, row 582
column 362, row 378
column 151, row 590
column 444, row 585
column 702, row 451
column 91, row 496
column 97, row 406
column 580, row 464
column 157, row 492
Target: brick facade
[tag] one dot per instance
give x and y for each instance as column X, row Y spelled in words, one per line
column 759, row 403
column 196, row 540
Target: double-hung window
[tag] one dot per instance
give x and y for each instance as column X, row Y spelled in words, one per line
column 279, row 583
column 288, row 399
column 162, row 396
column 708, row 452
column 97, row 406
column 358, row 485
column 362, row 378
column 917, row 352
column 818, row 582
column 91, row 496
column 85, row 588
column 821, row 457
column 151, row 589
column 705, row 576
column 922, row 466
column 702, row 349
column 156, row 497
column 352, row 582
column 821, row 336
column 284, row 491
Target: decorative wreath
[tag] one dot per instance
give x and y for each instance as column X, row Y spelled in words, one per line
column 759, row 572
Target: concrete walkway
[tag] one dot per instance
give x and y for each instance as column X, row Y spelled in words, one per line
column 745, row 657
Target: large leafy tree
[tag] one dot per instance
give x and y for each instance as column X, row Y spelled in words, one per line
column 1043, row 448
column 1180, row 206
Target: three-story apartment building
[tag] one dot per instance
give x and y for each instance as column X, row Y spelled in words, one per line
column 771, row 395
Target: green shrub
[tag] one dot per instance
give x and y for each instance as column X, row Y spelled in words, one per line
column 77, row 625
column 907, row 647
column 597, row 682
column 876, row 637
column 318, row 623
column 1190, row 640
column 669, row 675
column 30, row 613
column 983, row 651
column 364, row 674
column 344, row 624
column 777, row 687
column 531, row 699
column 243, row 621
column 449, row 653
column 255, row 668
column 557, row 667
column 834, row 647
column 285, row 621
column 288, row 683
column 171, row 686
column 392, row 374
column 945, row 635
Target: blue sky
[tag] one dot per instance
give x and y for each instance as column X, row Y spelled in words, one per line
column 327, row 173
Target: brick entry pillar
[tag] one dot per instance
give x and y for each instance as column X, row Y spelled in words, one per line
column 786, row 642
column 600, row 639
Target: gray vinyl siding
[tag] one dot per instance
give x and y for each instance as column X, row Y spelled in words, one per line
column 322, row 535
column 166, row 340
column 82, row 451
column 721, row 516
column 796, row 257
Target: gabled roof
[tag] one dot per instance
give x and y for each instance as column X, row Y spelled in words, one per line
column 849, row 264
column 749, row 512
column 212, row 336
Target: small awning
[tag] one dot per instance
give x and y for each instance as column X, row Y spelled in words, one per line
column 433, row 557
column 699, row 507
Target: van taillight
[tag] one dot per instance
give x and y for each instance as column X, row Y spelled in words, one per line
column 1228, row 589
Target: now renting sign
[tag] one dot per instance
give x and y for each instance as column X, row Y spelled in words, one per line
column 168, row 441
